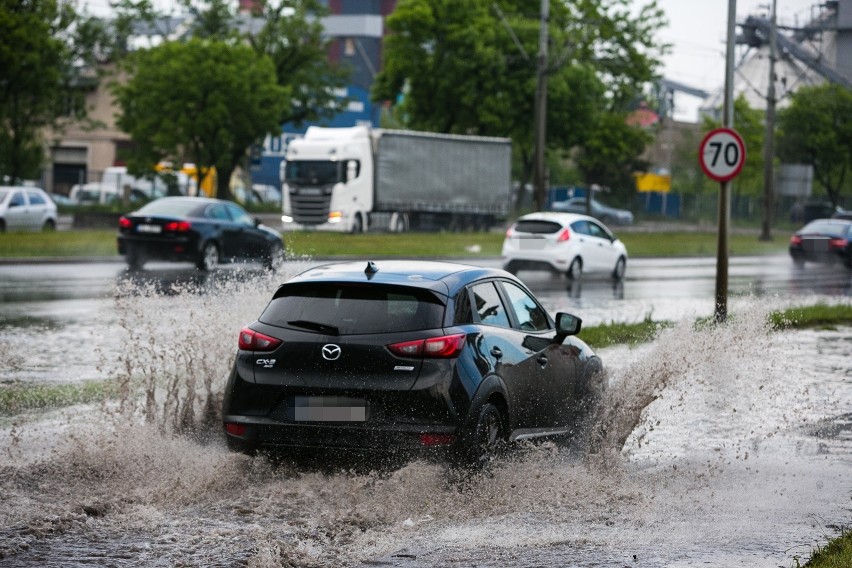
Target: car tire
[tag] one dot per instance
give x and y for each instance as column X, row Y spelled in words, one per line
column 511, row 267
column 2, row 226
column 135, row 259
column 798, row 261
column 240, row 446
column 485, row 439
column 575, row 270
column 209, row 258
column 49, row 225
column 357, row 224
column 275, row 257
column 620, row 268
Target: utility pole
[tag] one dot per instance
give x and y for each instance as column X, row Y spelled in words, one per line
column 725, row 186
column 769, row 140
column 541, row 108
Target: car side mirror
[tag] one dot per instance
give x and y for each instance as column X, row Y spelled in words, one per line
column 567, row 324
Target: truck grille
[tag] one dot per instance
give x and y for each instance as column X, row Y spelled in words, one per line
column 310, row 209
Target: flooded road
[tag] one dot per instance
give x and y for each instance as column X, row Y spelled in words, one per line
column 720, row 446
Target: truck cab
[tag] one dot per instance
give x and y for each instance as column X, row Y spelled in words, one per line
column 328, row 180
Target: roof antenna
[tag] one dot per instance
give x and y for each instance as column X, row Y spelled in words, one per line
column 371, row 269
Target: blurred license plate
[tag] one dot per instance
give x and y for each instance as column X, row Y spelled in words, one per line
column 329, row 409
column 532, row 244
column 816, row 245
column 149, row 228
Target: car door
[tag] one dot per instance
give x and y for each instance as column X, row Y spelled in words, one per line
column 38, row 207
column 604, row 244
column 556, row 387
column 17, row 216
column 244, row 240
column 586, row 245
column 502, row 346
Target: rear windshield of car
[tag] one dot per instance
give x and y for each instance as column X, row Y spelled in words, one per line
column 538, row 227
column 181, row 208
column 351, row 309
column 826, row 228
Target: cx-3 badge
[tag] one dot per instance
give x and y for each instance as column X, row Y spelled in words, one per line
column 330, row 352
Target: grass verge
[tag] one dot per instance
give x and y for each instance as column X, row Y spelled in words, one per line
column 82, row 243
column 836, row 554
column 20, row 397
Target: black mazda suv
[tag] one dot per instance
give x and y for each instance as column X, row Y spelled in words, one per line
column 406, row 356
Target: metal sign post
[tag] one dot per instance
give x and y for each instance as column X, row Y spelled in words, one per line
column 722, row 154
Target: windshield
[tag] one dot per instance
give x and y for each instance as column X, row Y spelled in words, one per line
column 313, row 172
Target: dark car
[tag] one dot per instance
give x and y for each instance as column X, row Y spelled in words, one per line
column 823, row 240
column 408, row 357
column 604, row 213
column 196, row 229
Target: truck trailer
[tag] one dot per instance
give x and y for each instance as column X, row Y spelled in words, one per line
column 358, row 179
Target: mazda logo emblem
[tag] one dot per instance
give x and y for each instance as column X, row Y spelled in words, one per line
column 330, row 352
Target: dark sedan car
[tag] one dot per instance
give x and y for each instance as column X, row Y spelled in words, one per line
column 195, row 229
column 407, row 357
column 823, row 240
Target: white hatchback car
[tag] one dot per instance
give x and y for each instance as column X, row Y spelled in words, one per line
column 26, row 209
column 566, row 243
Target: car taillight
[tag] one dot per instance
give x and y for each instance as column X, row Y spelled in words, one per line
column 124, row 223
column 251, row 340
column 445, row 347
column 795, row 240
column 235, row 428
column 838, row 243
column 564, row 235
column 177, row 226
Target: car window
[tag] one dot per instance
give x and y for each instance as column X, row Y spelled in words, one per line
column 597, row 231
column 176, row 207
column 239, row 215
column 351, row 309
column 17, row 199
column 489, row 307
column 218, row 211
column 463, row 314
column 537, row 227
column 581, row 227
column 531, row 316
column 830, row 228
column 36, row 198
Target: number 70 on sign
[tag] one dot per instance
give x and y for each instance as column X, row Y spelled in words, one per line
column 722, row 154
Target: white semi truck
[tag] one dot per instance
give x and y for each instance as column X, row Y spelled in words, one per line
column 358, row 179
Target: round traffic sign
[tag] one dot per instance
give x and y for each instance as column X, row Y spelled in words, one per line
column 722, row 154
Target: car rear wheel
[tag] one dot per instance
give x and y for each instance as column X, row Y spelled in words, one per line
column 486, row 438
column 275, row 257
column 575, row 271
column 209, row 258
column 49, row 225
column 357, row 224
column 620, row 268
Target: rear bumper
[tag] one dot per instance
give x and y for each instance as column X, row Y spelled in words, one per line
column 174, row 249
column 831, row 256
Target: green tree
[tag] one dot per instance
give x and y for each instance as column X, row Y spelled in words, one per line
column 816, row 129
column 201, row 101
column 45, row 48
column 473, row 71
column 292, row 36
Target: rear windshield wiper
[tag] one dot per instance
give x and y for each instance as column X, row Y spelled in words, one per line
column 315, row 326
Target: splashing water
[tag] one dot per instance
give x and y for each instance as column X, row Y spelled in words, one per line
column 688, row 461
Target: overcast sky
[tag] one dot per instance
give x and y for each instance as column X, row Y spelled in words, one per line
column 697, row 32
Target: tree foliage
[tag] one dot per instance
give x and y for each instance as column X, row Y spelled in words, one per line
column 816, row 129
column 224, row 73
column 473, row 71
column 201, row 101
column 44, row 46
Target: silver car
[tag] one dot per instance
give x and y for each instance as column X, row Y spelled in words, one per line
column 26, row 209
column 600, row 211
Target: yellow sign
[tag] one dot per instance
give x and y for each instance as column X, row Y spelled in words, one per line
column 653, row 182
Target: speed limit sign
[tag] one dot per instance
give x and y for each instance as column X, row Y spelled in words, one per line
column 722, row 154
